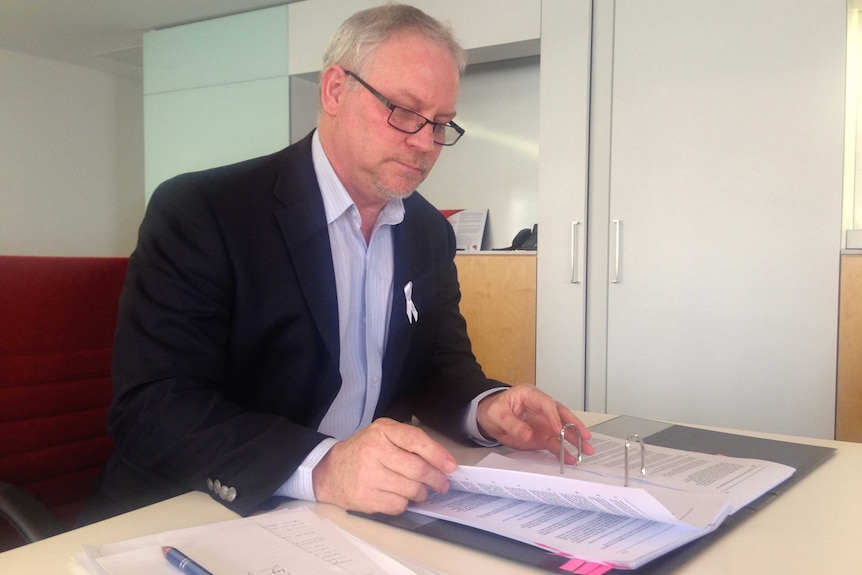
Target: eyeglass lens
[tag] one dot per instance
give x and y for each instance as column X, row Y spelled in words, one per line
column 411, row 122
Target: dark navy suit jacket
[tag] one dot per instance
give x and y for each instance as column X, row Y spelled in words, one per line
column 227, row 349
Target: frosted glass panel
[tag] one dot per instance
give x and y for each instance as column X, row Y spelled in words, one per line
column 212, row 126
column 232, row 49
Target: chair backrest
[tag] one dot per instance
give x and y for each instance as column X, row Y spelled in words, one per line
column 57, row 321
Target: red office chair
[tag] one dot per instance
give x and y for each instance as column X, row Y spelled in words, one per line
column 57, row 321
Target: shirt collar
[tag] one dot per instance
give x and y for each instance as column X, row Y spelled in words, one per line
column 336, row 200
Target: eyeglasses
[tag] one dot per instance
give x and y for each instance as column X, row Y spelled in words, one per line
column 409, row 122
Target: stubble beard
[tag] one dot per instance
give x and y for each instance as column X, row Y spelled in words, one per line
column 390, row 193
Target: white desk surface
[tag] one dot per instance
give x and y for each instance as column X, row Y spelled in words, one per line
column 814, row 527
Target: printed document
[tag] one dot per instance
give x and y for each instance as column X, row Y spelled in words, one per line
column 740, row 480
column 588, row 513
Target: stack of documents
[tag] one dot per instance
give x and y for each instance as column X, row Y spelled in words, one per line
column 294, row 541
column 588, row 513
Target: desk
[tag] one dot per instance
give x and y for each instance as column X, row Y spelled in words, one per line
column 814, row 527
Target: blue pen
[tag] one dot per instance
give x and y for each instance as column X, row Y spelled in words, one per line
column 182, row 562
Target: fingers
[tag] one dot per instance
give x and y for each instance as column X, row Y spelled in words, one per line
column 414, row 440
column 382, row 468
column 498, row 417
column 523, row 417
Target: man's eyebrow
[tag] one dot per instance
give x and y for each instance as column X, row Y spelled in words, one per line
column 404, row 98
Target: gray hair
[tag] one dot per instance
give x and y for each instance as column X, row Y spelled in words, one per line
column 360, row 35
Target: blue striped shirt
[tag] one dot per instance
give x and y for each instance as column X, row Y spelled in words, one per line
column 363, row 278
column 363, row 281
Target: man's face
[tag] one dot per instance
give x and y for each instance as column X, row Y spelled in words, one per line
column 375, row 161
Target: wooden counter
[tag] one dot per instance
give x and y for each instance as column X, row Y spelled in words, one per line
column 848, row 417
column 498, row 300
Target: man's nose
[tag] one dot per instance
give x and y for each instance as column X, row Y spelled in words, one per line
column 424, row 138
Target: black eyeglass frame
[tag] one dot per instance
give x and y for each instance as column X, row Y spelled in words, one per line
column 392, row 107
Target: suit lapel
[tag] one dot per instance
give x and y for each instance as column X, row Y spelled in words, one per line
column 303, row 225
column 407, row 261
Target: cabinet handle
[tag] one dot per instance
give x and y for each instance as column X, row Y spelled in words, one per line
column 574, row 254
column 617, row 226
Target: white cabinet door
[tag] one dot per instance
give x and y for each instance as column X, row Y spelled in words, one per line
column 563, row 145
column 725, row 180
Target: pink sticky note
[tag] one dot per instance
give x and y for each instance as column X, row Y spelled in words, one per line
column 572, row 566
column 581, row 567
column 596, row 569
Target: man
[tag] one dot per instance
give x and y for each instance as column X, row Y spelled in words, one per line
column 283, row 317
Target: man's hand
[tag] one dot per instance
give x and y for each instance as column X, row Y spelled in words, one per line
column 523, row 417
column 382, row 468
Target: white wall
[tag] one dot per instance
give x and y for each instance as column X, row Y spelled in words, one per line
column 71, row 159
column 496, row 164
column 852, row 206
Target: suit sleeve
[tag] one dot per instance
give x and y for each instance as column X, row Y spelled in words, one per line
column 455, row 378
column 176, row 418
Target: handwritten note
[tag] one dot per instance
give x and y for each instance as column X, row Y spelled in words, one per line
column 288, row 542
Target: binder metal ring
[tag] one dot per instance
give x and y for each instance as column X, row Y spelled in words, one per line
column 563, row 445
column 629, row 440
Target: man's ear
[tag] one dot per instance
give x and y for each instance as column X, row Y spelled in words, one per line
column 333, row 82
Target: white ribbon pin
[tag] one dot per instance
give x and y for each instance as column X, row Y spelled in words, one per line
column 412, row 314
